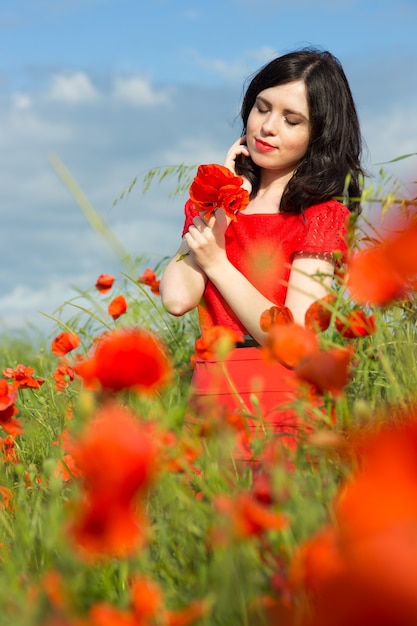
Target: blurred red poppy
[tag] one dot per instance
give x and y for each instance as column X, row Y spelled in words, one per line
column 23, row 377
column 6, row 497
column 104, row 283
column 403, row 250
column 216, row 186
column 357, row 324
column 116, row 433
column 117, row 307
column 278, row 314
column 195, row 611
column 128, row 358
column 363, row 569
column 147, row 599
column 64, row 343
column 373, row 278
column 66, row 469
column 319, row 314
column 216, row 341
column 245, row 516
column 327, row 370
column 149, row 278
column 8, row 450
column 108, row 518
column 103, row 614
column 289, row 344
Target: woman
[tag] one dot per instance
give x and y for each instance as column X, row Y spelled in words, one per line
column 299, row 150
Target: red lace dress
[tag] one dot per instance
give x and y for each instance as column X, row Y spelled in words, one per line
column 262, row 247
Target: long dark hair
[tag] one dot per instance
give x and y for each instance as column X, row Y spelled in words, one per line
column 331, row 166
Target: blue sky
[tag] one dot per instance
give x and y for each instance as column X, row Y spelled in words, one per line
column 115, row 87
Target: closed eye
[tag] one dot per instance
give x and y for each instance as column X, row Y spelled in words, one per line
column 290, row 122
column 261, row 109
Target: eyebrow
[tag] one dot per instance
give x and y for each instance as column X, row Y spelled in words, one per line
column 285, row 111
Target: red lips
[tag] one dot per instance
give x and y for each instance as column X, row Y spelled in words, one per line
column 263, row 146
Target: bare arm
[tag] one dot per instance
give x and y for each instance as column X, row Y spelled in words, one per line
column 182, row 283
column 310, row 279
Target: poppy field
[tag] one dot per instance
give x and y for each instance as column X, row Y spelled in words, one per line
column 115, row 512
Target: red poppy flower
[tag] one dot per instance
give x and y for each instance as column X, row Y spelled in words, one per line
column 216, row 341
column 316, row 560
column 216, row 186
column 11, row 425
column 387, row 271
column 357, row 324
column 363, row 569
column 6, row 497
column 372, row 278
column 327, row 370
column 383, row 491
column 8, row 396
column 23, row 377
column 246, row 516
column 104, row 283
column 126, row 359
column 319, row 314
column 8, row 449
column 278, row 314
column 402, row 250
column 102, row 526
column 289, row 344
column 189, row 614
column 147, row 599
column 64, row 343
column 149, row 278
column 108, row 519
column 63, row 375
column 116, row 433
column 103, row 614
column 117, row 307
column 66, row 469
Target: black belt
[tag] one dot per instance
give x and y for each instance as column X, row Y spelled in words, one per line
column 248, row 342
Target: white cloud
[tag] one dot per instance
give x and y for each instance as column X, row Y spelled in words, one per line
column 22, row 101
column 390, row 135
column 74, row 88
column 25, row 305
column 234, row 69
column 137, row 91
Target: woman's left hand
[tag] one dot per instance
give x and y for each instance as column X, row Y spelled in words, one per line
column 206, row 239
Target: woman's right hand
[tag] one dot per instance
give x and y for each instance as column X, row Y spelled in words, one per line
column 238, row 147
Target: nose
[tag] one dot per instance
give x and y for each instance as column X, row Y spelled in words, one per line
column 269, row 126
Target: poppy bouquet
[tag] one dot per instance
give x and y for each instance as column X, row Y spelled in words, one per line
column 216, row 186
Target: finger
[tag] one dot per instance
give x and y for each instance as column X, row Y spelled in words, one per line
column 212, row 220
column 199, row 224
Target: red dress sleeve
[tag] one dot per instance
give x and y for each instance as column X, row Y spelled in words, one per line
column 325, row 229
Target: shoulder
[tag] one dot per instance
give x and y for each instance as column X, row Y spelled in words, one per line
column 330, row 208
column 324, row 228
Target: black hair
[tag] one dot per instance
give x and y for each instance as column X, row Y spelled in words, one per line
column 331, row 166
